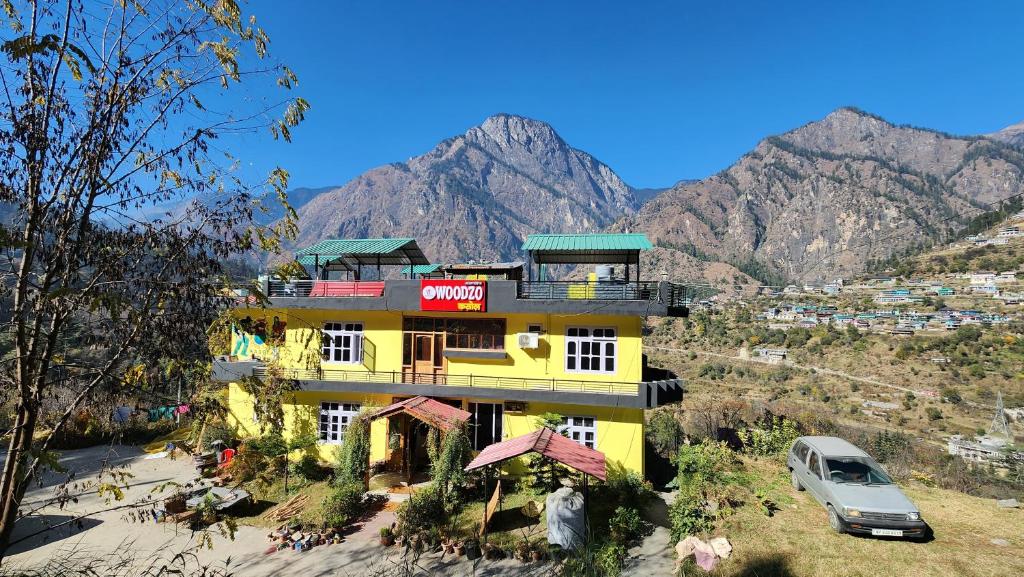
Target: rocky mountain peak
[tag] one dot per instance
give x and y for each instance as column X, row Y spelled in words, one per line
column 510, row 131
column 1013, row 134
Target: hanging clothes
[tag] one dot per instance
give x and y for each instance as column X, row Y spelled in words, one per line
column 182, row 410
column 153, row 415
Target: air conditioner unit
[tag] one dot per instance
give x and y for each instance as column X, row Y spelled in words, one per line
column 528, row 340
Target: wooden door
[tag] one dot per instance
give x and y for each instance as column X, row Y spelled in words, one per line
column 423, row 357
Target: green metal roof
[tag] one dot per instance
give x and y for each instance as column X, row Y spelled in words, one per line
column 421, row 269
column 587, row 242
column 364, row 251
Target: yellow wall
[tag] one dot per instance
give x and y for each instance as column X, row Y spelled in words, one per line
column 382, row 332
column 619, row 430
column 620, row 433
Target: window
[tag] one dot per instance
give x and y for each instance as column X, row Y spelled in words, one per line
column 535, row 329
column 800, row 450
column 343, row 342
column 583, row 430
column 476, row 334
column 334, row 419
column 590, row 350
column 484, row 424
column 814, row 464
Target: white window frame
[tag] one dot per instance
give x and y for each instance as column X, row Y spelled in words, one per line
column 574, row 345
column 497, row 422
column 577, row 428
column 339, row 330
column 335, row 417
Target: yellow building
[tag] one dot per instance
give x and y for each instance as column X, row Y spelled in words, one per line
column 503, row 348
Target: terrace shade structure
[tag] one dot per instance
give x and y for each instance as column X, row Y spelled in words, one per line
column 621, row 249
column 349, row 256
column 423, row 271
column 549, row 444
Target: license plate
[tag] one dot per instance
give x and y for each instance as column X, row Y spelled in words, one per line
column 887, row 532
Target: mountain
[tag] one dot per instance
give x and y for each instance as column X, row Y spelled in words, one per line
column 1011, row 135
column 476, row 195
column 827, row 198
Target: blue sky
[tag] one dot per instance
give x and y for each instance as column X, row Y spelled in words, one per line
column 660, row 91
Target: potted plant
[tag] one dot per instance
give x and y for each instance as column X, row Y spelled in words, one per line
column 459, row 548
column 522, row 551
column 536, row 554
column 387, row 536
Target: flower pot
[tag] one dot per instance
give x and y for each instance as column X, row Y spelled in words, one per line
column 536, row 555
column 387, row 540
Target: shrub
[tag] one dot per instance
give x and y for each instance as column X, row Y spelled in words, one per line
column 933, row 413
column 609, row 559
column 703, row 466
column 343, row 505
column 688, row 517
column 626, row 526
column 308, row 468
column 354, row 454
column 772, row 436
column 423, row 511
column 627, row 486
column 447, row 470
column 664, row 433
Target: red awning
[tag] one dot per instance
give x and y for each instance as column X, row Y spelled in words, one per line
column 428, row 410
column 547, row 443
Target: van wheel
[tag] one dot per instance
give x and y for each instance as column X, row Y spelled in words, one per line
column 795, row 481
column 834, row 521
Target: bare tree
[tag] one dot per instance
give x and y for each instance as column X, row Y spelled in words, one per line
column 110, row 114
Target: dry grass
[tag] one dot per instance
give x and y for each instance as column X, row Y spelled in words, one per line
column 797, row 541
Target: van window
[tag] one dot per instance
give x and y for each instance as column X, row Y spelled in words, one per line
column 815, row 464
column 800, row 450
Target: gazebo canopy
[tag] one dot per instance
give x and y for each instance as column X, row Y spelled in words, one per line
column 586, row 248
column 548, row 443
column 434, row 413
column 349, row 254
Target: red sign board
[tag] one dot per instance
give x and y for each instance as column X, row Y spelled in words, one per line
column 453, row 295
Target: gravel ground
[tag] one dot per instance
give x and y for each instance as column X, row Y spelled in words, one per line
column 360, row 554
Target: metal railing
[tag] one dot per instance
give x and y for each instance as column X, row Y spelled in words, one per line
column 583, row 290
column 321, row 288
column 473, row 381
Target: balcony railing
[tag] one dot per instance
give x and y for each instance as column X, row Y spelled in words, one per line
column 473, row 381
column 325, row 288
column 669, row 293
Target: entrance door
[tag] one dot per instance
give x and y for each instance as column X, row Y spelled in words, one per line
column 423, row 357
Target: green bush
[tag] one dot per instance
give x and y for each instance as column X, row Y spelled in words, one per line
column 664, row 432
column 628, row 486
column 703, row 466
column 626, row 526
column 609, row 559
column 343, row 505
column 772, row 436
column 688, row 516
column 308, row 468
column 423, row 511
column 933, row 413
column 354, row 454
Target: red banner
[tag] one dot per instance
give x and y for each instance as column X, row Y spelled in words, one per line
column 453, row 295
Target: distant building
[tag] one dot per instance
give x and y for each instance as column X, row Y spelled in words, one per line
column 1010, row 232
column 770, row 355
column 986, row 449
column 982, row 278
column 1007, row 276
